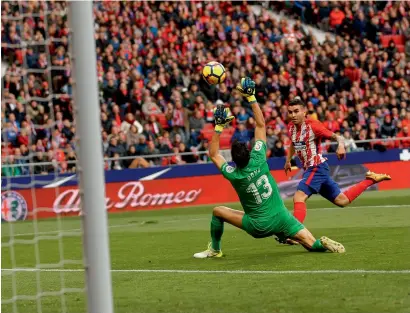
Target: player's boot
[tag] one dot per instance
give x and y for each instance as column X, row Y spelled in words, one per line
column 377, row 178
column 208, row 253
column 331, row 245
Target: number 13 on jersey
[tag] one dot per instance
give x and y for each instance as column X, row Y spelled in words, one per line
column 261, row 189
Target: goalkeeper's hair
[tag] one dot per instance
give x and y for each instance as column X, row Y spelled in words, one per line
column 240, row 154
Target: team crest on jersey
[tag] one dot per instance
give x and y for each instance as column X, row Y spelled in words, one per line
column 230, row 169
column 299, row 145
column 13, row 207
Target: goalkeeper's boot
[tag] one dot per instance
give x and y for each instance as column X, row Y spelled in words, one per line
column 331, row 245
column 377, row 178
column 208, row 253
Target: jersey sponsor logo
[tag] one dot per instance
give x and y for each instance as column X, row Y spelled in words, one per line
column 258, row 145
column 13, row 207
column 229, row 169
column 299, row 145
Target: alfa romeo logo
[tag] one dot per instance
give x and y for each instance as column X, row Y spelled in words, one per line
column 13, row 207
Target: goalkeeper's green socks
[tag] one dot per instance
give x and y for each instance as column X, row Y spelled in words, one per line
column 318, row 247
column 217, row 229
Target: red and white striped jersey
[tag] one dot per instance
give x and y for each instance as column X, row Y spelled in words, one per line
column 307, row 141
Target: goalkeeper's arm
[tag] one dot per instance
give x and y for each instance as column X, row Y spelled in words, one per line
column 222, row 119
column 214, row 155
column 247, row 89
column 260, row 129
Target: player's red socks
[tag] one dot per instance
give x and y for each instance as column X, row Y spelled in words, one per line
column 299, row 211
column 356, row 190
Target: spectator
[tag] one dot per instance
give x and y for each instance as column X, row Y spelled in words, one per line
column 271, row 138
column 350, row 145
column 131, row 152
column 71, row 161
column 151, row 150
column 241, row 134
column 278, row 150
column 8, row 170
column 196, row 122
column 148, row 133
column 186, row 158
column 403, row 143
column 40, row 167
column 114, row 148
column 142, row 144
column 336, row 18
column 150, row 107
column 116, row 163
column 388, row 129
column 131, row 121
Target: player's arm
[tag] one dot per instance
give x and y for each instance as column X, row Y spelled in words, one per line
column 323, row 132
column 214, row 154
column 247, row 89
column 291, row 153
column 260, row 129
column 341, row 150
column 222, row 118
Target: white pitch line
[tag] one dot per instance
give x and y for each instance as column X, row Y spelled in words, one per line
column 199, row 219
column 364, row 206
column 220, row 271
column 111, row 226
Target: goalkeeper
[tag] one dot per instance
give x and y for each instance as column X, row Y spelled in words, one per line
column 264, row 213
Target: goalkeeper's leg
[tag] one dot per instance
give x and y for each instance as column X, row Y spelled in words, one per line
column 307, row 240
column 220, row 215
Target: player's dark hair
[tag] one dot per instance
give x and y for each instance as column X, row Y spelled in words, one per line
column 240, row 154
column 296, row 101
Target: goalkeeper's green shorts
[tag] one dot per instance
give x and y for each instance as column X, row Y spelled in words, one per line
column 282, row 224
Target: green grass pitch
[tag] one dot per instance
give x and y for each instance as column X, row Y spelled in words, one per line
column 256, row 275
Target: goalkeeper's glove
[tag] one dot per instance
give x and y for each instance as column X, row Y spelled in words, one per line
column 247, row 89
column 222, row 118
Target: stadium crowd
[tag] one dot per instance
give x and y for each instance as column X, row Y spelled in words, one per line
column 154, row 101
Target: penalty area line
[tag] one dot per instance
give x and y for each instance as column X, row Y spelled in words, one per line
column 279, row 272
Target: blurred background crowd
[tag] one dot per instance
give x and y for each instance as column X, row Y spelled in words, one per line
column 154, row 101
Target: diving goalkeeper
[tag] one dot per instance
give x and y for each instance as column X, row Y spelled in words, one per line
column 264, row 213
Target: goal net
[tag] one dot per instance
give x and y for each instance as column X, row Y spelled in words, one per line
column 42, row 248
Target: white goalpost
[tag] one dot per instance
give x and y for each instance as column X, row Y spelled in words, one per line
column 33, row 278
column 90, row 167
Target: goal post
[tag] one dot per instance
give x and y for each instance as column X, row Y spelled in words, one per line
column 90, row 158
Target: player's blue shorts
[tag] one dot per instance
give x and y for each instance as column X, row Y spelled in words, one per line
column 316, row 179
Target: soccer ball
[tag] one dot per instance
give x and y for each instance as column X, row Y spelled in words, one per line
column 214, row 73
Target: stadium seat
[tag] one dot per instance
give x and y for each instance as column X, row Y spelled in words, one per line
column 162, row 120
column 400, row 48
column 208, row 127
column 398, row 40
column 225, row 142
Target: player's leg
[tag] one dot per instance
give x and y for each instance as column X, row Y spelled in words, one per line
column 356, row 190
column 220, row 215
column 331, row 191
column 292, row 228
column 307, row 240
column 310, row 184
column 299, row 204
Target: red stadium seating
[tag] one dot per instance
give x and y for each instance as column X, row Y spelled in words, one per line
column 399, row 40
column 162, row 120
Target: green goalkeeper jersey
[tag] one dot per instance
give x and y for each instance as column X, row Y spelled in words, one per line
column 255, row 186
